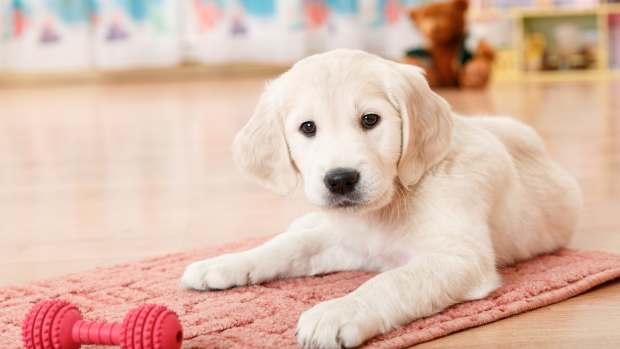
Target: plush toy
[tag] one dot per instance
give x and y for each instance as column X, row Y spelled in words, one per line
column 450, row 60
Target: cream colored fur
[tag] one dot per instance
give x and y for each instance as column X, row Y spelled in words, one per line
column 443, row 199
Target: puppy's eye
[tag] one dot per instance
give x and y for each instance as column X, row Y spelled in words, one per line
column 370, row 121
column 308, row 128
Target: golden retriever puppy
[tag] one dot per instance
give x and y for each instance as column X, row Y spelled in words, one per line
column 403, row 186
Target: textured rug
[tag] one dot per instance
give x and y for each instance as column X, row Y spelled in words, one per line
column 265, row 316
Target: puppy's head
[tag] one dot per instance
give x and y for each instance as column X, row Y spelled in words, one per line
column 351, row 125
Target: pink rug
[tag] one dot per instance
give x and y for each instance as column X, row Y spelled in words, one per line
column 265, row 316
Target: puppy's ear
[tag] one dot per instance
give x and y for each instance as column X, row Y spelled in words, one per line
column 426, row 123
column 260, row 148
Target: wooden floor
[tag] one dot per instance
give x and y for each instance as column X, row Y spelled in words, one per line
column 97, row 174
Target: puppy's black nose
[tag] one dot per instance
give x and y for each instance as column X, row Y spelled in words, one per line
column 341, row 180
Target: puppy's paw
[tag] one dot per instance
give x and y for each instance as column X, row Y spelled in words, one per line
column 339, row 323
column 218, row 273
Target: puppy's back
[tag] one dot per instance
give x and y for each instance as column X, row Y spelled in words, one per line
column 550, row 198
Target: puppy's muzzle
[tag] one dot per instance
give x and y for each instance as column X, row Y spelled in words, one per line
column 341, row 181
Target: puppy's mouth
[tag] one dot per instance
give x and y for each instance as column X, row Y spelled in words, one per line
column 357, row 201
column 346, row 204
column 347, row 201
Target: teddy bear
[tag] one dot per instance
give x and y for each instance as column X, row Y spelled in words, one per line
column 449, row 60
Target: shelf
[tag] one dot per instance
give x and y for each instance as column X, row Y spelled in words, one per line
column 594, row 17
column 611, row 8
column 560, row 12
column 489, row 13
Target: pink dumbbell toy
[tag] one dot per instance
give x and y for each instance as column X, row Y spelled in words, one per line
column 57, row 324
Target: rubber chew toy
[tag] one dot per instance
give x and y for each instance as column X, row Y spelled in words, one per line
column 57, row 324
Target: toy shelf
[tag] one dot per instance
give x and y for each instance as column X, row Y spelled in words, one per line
column 554, row 43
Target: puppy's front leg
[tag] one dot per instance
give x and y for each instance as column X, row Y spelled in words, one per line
column 427, row 284
column 305, row 249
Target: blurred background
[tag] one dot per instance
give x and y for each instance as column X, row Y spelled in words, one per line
column 116, row 116
column 86, row 36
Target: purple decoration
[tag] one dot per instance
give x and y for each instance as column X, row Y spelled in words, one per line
column 238, row 27
column 116, row 33
column 48, row 36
